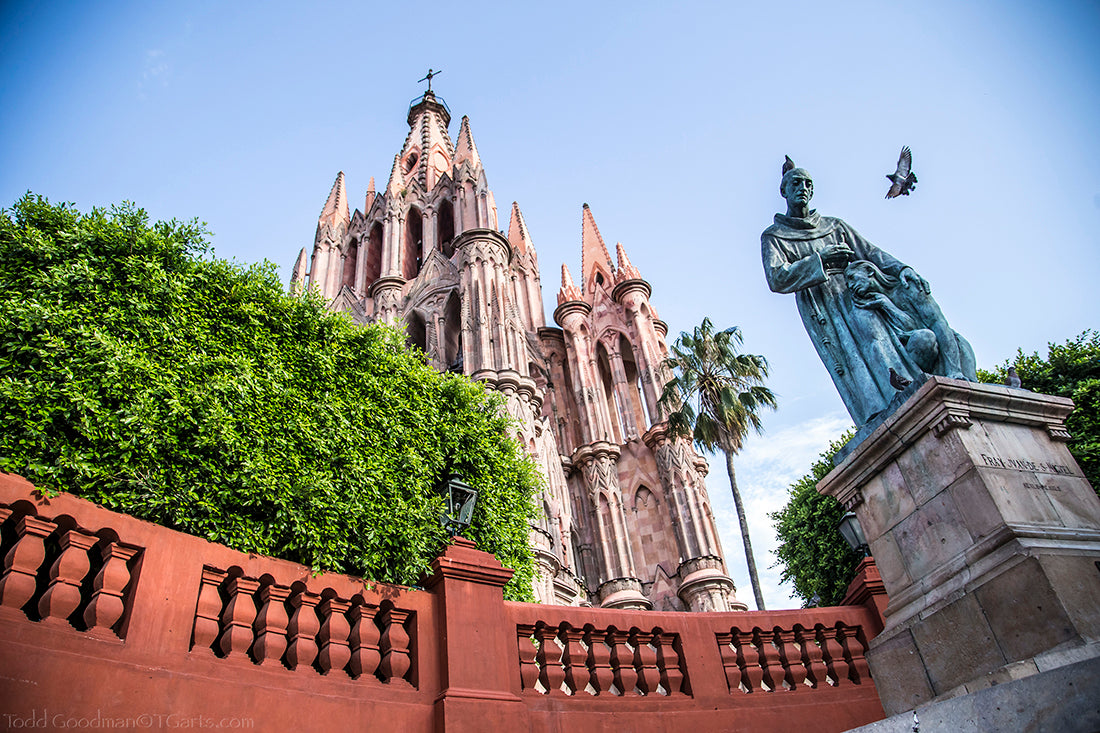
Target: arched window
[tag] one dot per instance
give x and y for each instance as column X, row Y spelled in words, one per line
column 351, row 257
column 604, row 365
column 452, row 335
column 374, row 255
column 413, row 256
column 446, row 234
column 416, row 333
column 633, row 381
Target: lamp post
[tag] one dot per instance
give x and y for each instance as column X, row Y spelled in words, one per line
column 460, row 498
column 853, row 534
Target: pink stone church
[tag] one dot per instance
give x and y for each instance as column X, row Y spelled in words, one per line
column 627, row 521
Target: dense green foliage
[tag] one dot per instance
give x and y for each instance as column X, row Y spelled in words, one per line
column 815, row 558
column 140, row 373
column 1070, row 370
column 715, row 397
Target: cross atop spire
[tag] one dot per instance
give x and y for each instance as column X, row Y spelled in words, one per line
column 428, row 77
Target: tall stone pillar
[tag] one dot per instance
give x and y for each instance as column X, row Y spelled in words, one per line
column 987, row 536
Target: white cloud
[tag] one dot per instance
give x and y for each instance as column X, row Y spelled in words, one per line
column 765, row 469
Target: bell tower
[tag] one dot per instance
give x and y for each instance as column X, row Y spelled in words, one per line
column 625, row 521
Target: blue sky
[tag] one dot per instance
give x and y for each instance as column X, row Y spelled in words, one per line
column 671, row 121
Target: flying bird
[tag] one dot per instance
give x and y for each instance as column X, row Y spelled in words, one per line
column 903, row 179
column 898, row 382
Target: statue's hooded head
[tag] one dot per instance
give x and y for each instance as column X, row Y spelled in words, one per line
column 790, row 174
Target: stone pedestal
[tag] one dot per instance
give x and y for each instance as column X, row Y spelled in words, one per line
column 987, row 537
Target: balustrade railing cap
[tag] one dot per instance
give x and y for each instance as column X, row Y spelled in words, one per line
column 463, row 561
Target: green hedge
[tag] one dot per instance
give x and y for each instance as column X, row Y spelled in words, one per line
column 141, row 373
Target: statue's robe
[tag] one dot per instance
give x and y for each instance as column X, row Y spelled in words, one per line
column 856, row 345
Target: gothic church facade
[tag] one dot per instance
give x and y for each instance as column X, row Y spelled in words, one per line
column 626, row 519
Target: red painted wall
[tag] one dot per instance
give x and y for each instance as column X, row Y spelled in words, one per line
column 108, row 621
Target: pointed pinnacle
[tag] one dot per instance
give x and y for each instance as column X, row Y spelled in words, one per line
column 518, row 236
column 336, row 206
column 594, row 254
column 465, row 149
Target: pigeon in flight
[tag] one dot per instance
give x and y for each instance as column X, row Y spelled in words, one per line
column 899, row 382
column 903, row 179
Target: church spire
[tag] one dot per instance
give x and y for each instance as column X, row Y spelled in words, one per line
column 518, row 236
column 626, row 271
column 569, row 291
column 335, row 211
column 595, row 261
column 371, row 195
column 396, row 183
column 465, row 149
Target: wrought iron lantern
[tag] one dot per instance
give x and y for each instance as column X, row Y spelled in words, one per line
column 853, row 534
column 460, row 498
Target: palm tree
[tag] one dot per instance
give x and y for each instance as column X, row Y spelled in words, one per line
column 715, row 397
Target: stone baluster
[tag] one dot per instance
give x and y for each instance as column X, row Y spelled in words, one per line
column 668, row 661
column 5, row 512
column 208, row 610
column 237, row 617
column 270, row 625
column 528, row 664
column 790, row 657
column 752, row 672
column 333, row 637
column 645, row 661
column 854, row 652
column 106, row 606
column 396, row 657
column 816, row 672
column 622, row 663
column 62, row 596
column 735, row 678
column 551, row 673
column 302, row 630
column 576, row 660
column 834, row 654
column 769, row 660
column 599, row 663
column 19, row 582
column 363, row 640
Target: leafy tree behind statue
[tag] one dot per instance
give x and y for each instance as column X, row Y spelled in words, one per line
column 815, row 559
column 144, row 375
column 1069, row 370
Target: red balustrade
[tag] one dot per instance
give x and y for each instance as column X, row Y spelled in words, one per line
column 220, row 635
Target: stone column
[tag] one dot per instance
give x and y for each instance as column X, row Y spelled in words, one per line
column 987, row 536
column 479, row 643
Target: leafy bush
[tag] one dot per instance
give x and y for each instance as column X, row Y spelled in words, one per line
column 815, row 557
column 140, row 373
